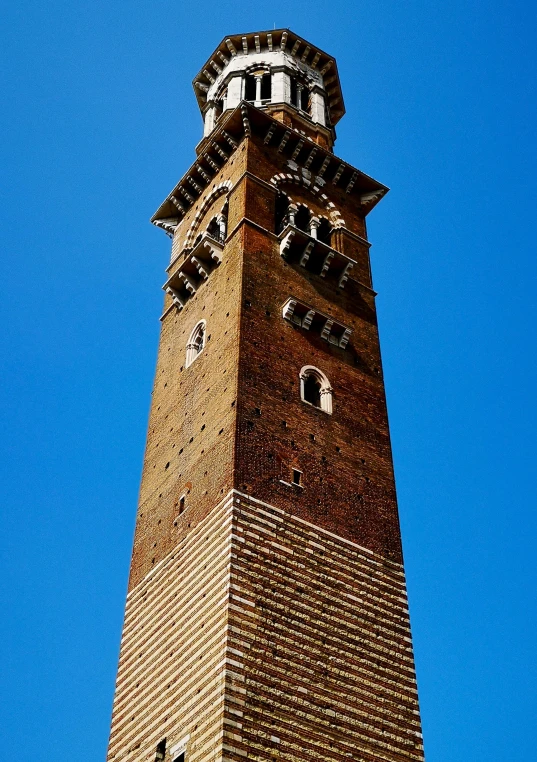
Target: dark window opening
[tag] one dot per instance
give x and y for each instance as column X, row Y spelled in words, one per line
column 161, row 750
column 302, row 218
column 198, row 340
column 213, row 229
column 180, row 758
column 249, row 87
column 300, row 95
column 297, row 477
column 324, row 231
column 266, row 87
column 181, row 505
column 312, row 391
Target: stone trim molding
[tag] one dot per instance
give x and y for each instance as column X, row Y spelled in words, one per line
column 194, row 270
column 193, row 348
column 306, row 181
column 326, row 390
column 217, row 191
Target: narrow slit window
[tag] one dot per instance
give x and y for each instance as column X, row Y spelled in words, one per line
column 297, row 477
column 312, row 391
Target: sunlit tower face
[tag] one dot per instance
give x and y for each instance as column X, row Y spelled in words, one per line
column 266, row 615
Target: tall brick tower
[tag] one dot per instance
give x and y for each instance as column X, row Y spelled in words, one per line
column 266, row 615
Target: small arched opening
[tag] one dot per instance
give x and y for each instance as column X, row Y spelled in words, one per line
column 315, row 388
column 196, row 343
column 300, row 95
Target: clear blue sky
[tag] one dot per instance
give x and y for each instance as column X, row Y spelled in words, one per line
column 99, row 121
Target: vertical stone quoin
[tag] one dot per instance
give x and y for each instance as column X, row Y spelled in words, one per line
column 266, row 614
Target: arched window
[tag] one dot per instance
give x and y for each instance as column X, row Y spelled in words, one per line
column 213, row 229
column 315, row 388
column 266, row 88
column 300, row 95
column 324, row 231
column 312, row 390
column 302, row 218
column 196, row 343
column 258, row 87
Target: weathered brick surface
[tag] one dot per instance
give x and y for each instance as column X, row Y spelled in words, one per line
column 170, row 678
column 267, row 620
column 319, row 629
column 261, row 634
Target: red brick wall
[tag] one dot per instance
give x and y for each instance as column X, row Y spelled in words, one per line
column 308, row 641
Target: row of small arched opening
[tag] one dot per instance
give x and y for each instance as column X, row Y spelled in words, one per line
column 287, row 213
column 258, row 89
column 301, row 217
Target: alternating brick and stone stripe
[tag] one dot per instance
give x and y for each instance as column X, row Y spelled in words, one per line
column 262, row 632
column 266, row 614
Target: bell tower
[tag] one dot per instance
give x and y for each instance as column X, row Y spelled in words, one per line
column 266, row 614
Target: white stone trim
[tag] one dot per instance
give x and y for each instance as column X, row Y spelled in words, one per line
column 217, row 191
column 326, row 389
column 192, row 350
column 179, row 747
column 302, row 179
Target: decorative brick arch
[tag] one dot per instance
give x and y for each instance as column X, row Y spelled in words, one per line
column 216, row 192
column 295, row 179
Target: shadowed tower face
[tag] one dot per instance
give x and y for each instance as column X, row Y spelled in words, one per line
column 266, row 616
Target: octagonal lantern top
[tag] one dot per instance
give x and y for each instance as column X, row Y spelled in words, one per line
column 269, row 68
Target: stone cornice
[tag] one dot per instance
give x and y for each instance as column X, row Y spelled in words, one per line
column 314, row 163
column 270, row 41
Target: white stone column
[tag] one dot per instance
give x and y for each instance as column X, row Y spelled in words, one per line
column 299, row 88
column 258, row 80
column 222, row 225
column 281, row 86
column 314, row 224
column 292, row 209
column 318, row 112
